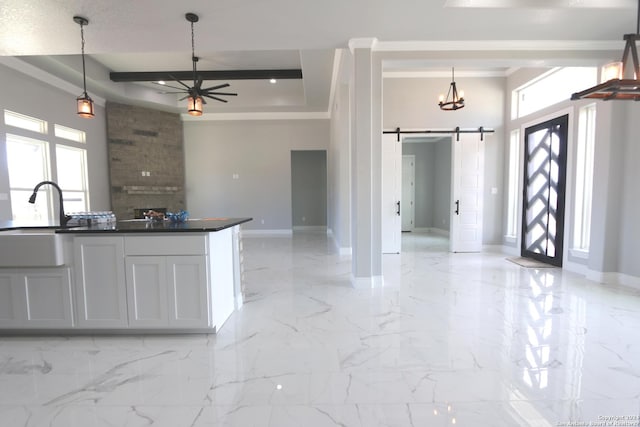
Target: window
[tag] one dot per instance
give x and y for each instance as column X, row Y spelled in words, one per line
column 43, row 158
column 24, row 122
column 70, row 134
column 555, row 86
column 28, row 162
column 584, row 179
column 71, row 168
column 512, row 189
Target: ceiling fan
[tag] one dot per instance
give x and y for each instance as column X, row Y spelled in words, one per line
column 195, row 93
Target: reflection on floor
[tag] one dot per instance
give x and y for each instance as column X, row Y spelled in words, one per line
column 464, row 339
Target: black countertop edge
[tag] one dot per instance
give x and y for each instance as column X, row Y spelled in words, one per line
column 142, row 226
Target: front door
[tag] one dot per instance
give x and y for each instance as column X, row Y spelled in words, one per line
column 544, row 190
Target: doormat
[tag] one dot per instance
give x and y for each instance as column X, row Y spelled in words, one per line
column 529, row 263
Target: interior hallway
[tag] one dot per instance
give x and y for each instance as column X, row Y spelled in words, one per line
column 465, row 338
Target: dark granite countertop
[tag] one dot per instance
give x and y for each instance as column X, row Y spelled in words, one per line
column 137, row 226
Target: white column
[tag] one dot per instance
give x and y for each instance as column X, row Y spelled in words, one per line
column 366, row 182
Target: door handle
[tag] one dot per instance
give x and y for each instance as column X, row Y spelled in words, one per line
column 457, row 207
column 398, row 210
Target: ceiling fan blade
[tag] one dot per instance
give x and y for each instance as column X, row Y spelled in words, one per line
column 176, row 88
column 221, row 93
column 183, row 98
column 168, row 86
column 187, row 87
column 214, row 97
column 198, row 83
column 216, row 87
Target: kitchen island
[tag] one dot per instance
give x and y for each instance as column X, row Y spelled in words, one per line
column 124, row 277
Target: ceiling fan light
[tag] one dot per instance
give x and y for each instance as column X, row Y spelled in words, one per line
column 85, row 106
column 194, row 105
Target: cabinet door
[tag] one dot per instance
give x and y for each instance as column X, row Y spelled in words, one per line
column 48, row 298
column 12, row 303
column 147, row 291
column 100, row 282
column 188, row 291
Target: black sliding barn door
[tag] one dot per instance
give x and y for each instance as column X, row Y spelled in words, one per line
column 544, row 190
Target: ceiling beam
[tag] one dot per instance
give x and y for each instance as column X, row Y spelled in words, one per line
column 154, row 76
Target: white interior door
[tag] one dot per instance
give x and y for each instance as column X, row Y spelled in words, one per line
column 408, row 211
column 467, row 182
column 391, row 193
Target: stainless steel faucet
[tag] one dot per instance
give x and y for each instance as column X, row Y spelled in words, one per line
column 63, row 218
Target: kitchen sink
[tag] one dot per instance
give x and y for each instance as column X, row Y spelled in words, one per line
column 31, row 247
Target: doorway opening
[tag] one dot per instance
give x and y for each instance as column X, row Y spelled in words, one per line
column 309, row 190
column 426, row 192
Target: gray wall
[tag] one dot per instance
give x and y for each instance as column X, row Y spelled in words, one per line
column 30, row 96
column 629, row 249
column 258, row 154
column 309, row 188
column 412, row 103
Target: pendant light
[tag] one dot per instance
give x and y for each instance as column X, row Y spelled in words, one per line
column 85, row 103
column 618, row 82
column 194, row 101
column 454, row 100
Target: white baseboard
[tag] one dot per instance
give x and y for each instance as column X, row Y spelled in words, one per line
column 367, row 282
column 342, row 250
column 314, row 228
column 345, row 251
column 575, row 267
column 613, row 278
column 283, row 232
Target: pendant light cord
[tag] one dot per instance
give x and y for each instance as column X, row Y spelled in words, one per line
column 193, row 54
column 84, row 74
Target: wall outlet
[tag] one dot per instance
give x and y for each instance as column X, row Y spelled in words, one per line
column 236, row 176
column 262, row 221
column 304, row 218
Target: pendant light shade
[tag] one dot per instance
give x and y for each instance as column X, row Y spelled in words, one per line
column 454, row 100
column 194, row 105
column 618, row 80
column 84, row 101
column 85, row 106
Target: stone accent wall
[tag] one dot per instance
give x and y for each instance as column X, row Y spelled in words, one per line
column 146, row 159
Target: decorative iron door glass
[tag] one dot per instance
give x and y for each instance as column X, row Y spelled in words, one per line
column 544, row 190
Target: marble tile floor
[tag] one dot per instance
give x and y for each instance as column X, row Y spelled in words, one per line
column 450, row 339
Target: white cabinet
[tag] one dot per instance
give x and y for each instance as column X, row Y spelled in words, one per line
column 12, row 306
column 130, row 281
column 100, row 282
column 36, row 298
column 146, row 291
column 167, row 291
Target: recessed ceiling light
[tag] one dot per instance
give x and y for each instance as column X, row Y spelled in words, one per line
column 273, row 81
column 162, row 82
